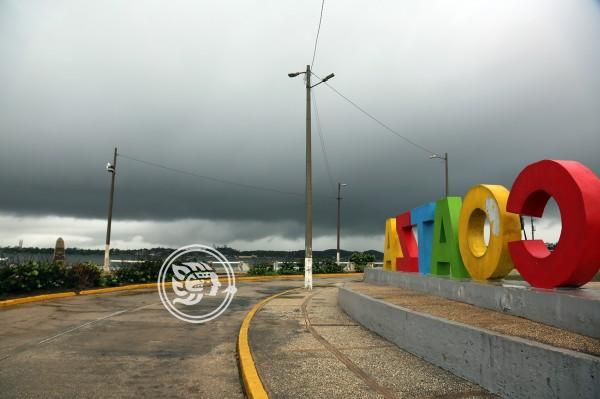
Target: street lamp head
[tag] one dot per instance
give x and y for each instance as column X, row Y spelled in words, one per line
column 343, row 184
column 434, row 156
column 331, row 75
column 293, row 74
column 110, row 168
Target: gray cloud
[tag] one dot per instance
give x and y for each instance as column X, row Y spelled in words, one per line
column 202, row 86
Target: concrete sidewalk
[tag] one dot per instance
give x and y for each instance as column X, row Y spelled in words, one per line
column 306, row 347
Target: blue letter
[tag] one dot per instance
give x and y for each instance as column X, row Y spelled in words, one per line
column 422, row 216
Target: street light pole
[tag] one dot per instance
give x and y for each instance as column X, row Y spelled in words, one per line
column 308, row 211
column 111, row 168
column 445, row 159
column 339, row 198
column 446, row 170
column 308, row 191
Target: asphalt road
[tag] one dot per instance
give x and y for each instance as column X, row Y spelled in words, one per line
column 122, row 344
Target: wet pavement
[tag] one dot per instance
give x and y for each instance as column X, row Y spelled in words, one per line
column 123, row 344
column 305, row 346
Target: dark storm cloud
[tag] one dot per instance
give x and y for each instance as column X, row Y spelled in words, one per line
column 202, row 87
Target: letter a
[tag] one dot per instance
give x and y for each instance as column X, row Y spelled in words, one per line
column 445, row 254
column 391, row 250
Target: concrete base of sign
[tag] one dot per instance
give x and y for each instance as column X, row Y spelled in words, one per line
column 574, row 310
column 506, row 365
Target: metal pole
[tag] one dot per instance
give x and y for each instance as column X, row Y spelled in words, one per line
column 532, row 228
column 523, row 226
column 337, row 258
column 446, row 163
column 308, row 232
column 106, row 267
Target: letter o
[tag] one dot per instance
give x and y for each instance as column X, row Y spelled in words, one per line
column 491, row 261
column 576, row 190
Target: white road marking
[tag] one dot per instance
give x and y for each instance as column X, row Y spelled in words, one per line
column 19, row 349
column 81, row 326
column 96, row 321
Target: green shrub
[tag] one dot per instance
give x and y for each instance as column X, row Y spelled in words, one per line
column 291, row 268
column 108, row 280
column 82, row 275
column 360, row 260
column 262, row 269
column 31, row 275
column 327, row 266
column 145, row 272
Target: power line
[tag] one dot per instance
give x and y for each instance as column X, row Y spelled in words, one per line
column 317, row 38
column 321, row 138
column 409, row 141
column 209, row 178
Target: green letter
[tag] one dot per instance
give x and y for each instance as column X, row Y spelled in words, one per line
column 445, row 254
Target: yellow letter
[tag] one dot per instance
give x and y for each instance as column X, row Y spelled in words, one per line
column 492, row 261
column 391, row 249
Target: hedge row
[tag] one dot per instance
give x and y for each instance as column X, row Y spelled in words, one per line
column 46, row 276
column 286, row 268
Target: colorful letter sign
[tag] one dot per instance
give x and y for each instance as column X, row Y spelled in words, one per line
column 445, row 255
column 409, row 259
column 489, row 261
column 422, row 216
column 451, row 232
column 576, row 190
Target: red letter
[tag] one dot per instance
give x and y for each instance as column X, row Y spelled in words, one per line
column 576, row 258
column 409, row 261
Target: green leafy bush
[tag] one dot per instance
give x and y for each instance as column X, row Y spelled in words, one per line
column 360, row 260
column 327, row 266
column 262, row 269
column 31, row 275
column 145, row 272
column 291, row 268
column 82, row 275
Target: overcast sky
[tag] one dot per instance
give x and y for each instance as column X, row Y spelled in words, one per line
column 202, row 86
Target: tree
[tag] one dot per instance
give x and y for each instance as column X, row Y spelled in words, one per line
column 360, row 259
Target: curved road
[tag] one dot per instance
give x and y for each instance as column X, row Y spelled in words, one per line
column 122, row 344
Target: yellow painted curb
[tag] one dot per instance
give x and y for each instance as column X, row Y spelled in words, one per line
column 252, row 384
column 295, row 276
column 46, row 297
column 119, row 288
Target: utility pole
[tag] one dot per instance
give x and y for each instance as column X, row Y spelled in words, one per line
column 446, row 170
column 445, row 159
column 339, row 198
column 308, row 211
column 110, row 168
column 308, row 191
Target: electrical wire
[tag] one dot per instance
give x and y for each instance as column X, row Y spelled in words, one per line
column 385, row 126
column 317, row 37
column 209, row 178
column 321, row 138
